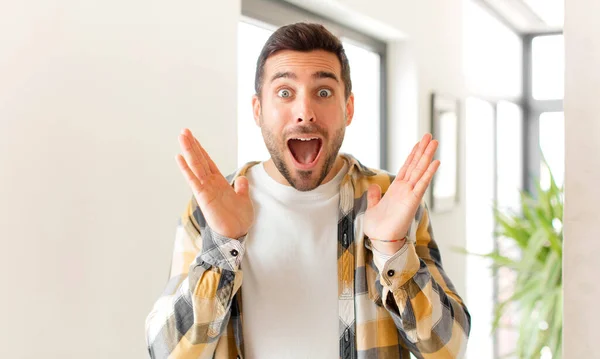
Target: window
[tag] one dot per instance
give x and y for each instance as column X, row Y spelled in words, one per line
column 366, row 56
column 251, row 39
column 493, row 55
column 546, row 118
column 365, row 67
column 493, row 61
column 552, row 144
column 516, row 83
column 480, row 239
column 509, row 169
column 548, row 64
column 494, row 158
column 509, row 133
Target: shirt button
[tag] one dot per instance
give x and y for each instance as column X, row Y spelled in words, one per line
column 234, row 252
column 391, row 273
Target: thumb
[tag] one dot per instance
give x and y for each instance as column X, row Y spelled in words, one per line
column 373, row 195
column 240, row 186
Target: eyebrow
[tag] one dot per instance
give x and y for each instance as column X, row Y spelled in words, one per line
column 325, row 75
column 281, row 75
column 316, row 75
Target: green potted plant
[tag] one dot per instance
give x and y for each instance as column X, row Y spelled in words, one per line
column 535, row 237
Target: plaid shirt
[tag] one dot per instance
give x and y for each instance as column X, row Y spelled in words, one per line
column 409, row 307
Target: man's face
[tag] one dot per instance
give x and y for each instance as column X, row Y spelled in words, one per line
column 303, row 114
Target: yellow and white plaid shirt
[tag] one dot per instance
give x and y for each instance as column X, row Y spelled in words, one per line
column 410, row 306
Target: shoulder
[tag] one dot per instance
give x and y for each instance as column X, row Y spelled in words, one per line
column 362, row 176
column 242, row 171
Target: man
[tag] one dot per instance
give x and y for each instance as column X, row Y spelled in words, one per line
column 331, row 267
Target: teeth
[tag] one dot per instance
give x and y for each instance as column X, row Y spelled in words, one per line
column 306, row 139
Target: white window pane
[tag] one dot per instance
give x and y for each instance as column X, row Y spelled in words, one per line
column 492, row 54
column 552, row 143
column 548, row 67
column 251, row 39
column 510, row 154
column 509, row 133
column 362, row 136
column 480, row 223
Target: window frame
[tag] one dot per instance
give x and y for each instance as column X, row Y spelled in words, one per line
column 532, row 109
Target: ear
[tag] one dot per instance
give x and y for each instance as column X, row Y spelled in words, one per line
column 349, row 109
column 256, row 110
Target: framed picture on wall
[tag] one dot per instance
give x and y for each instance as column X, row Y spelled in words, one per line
column 444, row 128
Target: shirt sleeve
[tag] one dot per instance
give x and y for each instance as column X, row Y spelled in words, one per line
column 194, row 309
column 432, row 318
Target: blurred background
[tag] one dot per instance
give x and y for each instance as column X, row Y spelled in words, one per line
column 94, row 93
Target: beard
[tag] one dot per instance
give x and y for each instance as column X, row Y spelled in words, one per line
column 304, row 180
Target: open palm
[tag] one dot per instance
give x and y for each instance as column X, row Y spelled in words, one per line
column 227, row 210
column 389, row 218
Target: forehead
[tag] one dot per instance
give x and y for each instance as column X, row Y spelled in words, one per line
column 302, row 63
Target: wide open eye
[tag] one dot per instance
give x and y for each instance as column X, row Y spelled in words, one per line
column 284, row 93
column 325, row 93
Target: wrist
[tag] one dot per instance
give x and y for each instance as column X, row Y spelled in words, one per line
column 388, row 247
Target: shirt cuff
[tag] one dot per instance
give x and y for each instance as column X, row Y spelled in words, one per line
column 380, row 258
column 223, row 252
column 401, row 267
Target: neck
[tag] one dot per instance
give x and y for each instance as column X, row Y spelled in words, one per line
column 274, row 173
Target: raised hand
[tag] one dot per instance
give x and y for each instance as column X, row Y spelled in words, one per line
column 227, row 210
column 389, row 218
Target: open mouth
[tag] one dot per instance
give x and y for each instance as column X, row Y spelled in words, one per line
column 305, row 151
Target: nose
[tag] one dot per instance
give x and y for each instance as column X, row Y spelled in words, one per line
column 303, row 110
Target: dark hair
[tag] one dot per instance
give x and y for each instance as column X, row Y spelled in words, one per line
column 302, row 37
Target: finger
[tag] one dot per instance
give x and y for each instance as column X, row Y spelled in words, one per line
column 241, row 186
column 421, row 186
column 420, row 149
column 373, row 195
column 424, row 163
column 192, row 161
column 211, row 164
column 193, row 181
column 402, row 172
column 191, row 155
column 198, row 150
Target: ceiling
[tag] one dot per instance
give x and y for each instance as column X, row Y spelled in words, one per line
column 529, row 16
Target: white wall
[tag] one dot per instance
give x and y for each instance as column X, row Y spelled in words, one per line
column 581, row 217
column 92, row 97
